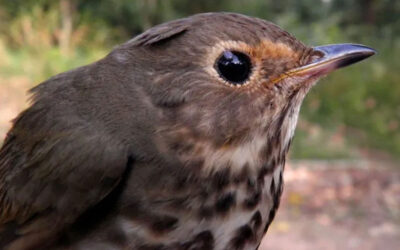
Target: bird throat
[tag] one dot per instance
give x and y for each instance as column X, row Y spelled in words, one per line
column 262, row 147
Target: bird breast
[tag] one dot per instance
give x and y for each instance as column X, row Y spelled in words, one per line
column 235, row 216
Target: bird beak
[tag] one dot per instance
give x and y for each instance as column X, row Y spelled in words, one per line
column 332, row 57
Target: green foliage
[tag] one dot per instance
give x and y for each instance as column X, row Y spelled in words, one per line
column 365, row 98
column 358, row 106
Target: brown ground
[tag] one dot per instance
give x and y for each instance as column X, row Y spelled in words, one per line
column 12, row 100
column 338, row 205
column 325, row 205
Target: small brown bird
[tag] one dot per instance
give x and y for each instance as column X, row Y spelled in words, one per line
column 175, row 140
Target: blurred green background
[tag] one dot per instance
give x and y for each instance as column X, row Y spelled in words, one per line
column 353, row 112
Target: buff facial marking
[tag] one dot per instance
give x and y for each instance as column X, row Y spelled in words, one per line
column 257, row 53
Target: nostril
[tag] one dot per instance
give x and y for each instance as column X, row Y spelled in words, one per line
column 316, row 55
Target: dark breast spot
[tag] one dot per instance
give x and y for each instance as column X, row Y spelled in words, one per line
column 206, row 212
column 266, row 169
column 152, row 247
column 221, row 179
column 225, row 202
column 243, row 174
column 256, row 220
column 180, row 182
column 243, row 235
column 163, row 224
column 272, row 189
column 251, row 184
column 276, row 191
column 253, row 200
column 276, row 196
column 202, row 241
column 271, row 216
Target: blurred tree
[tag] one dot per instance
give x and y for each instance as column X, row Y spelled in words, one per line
column 67, row 10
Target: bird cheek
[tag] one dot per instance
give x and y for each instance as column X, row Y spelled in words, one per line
column 304, row 83
column 291, row 85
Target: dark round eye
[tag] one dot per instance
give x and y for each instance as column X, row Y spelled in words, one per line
column 234, row 67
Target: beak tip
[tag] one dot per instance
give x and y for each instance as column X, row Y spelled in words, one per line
column 373, row 52
column 367, row 50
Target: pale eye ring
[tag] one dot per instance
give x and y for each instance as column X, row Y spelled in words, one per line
column 234, row 67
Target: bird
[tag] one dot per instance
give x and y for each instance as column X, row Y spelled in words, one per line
column 177, row 139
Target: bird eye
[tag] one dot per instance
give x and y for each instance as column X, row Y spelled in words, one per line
column 234, row 67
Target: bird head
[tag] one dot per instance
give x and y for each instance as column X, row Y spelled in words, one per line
column 227, row 87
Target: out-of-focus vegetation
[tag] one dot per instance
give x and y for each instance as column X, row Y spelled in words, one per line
column 357, row 107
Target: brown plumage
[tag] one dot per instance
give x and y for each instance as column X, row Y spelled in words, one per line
column 175, row 140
